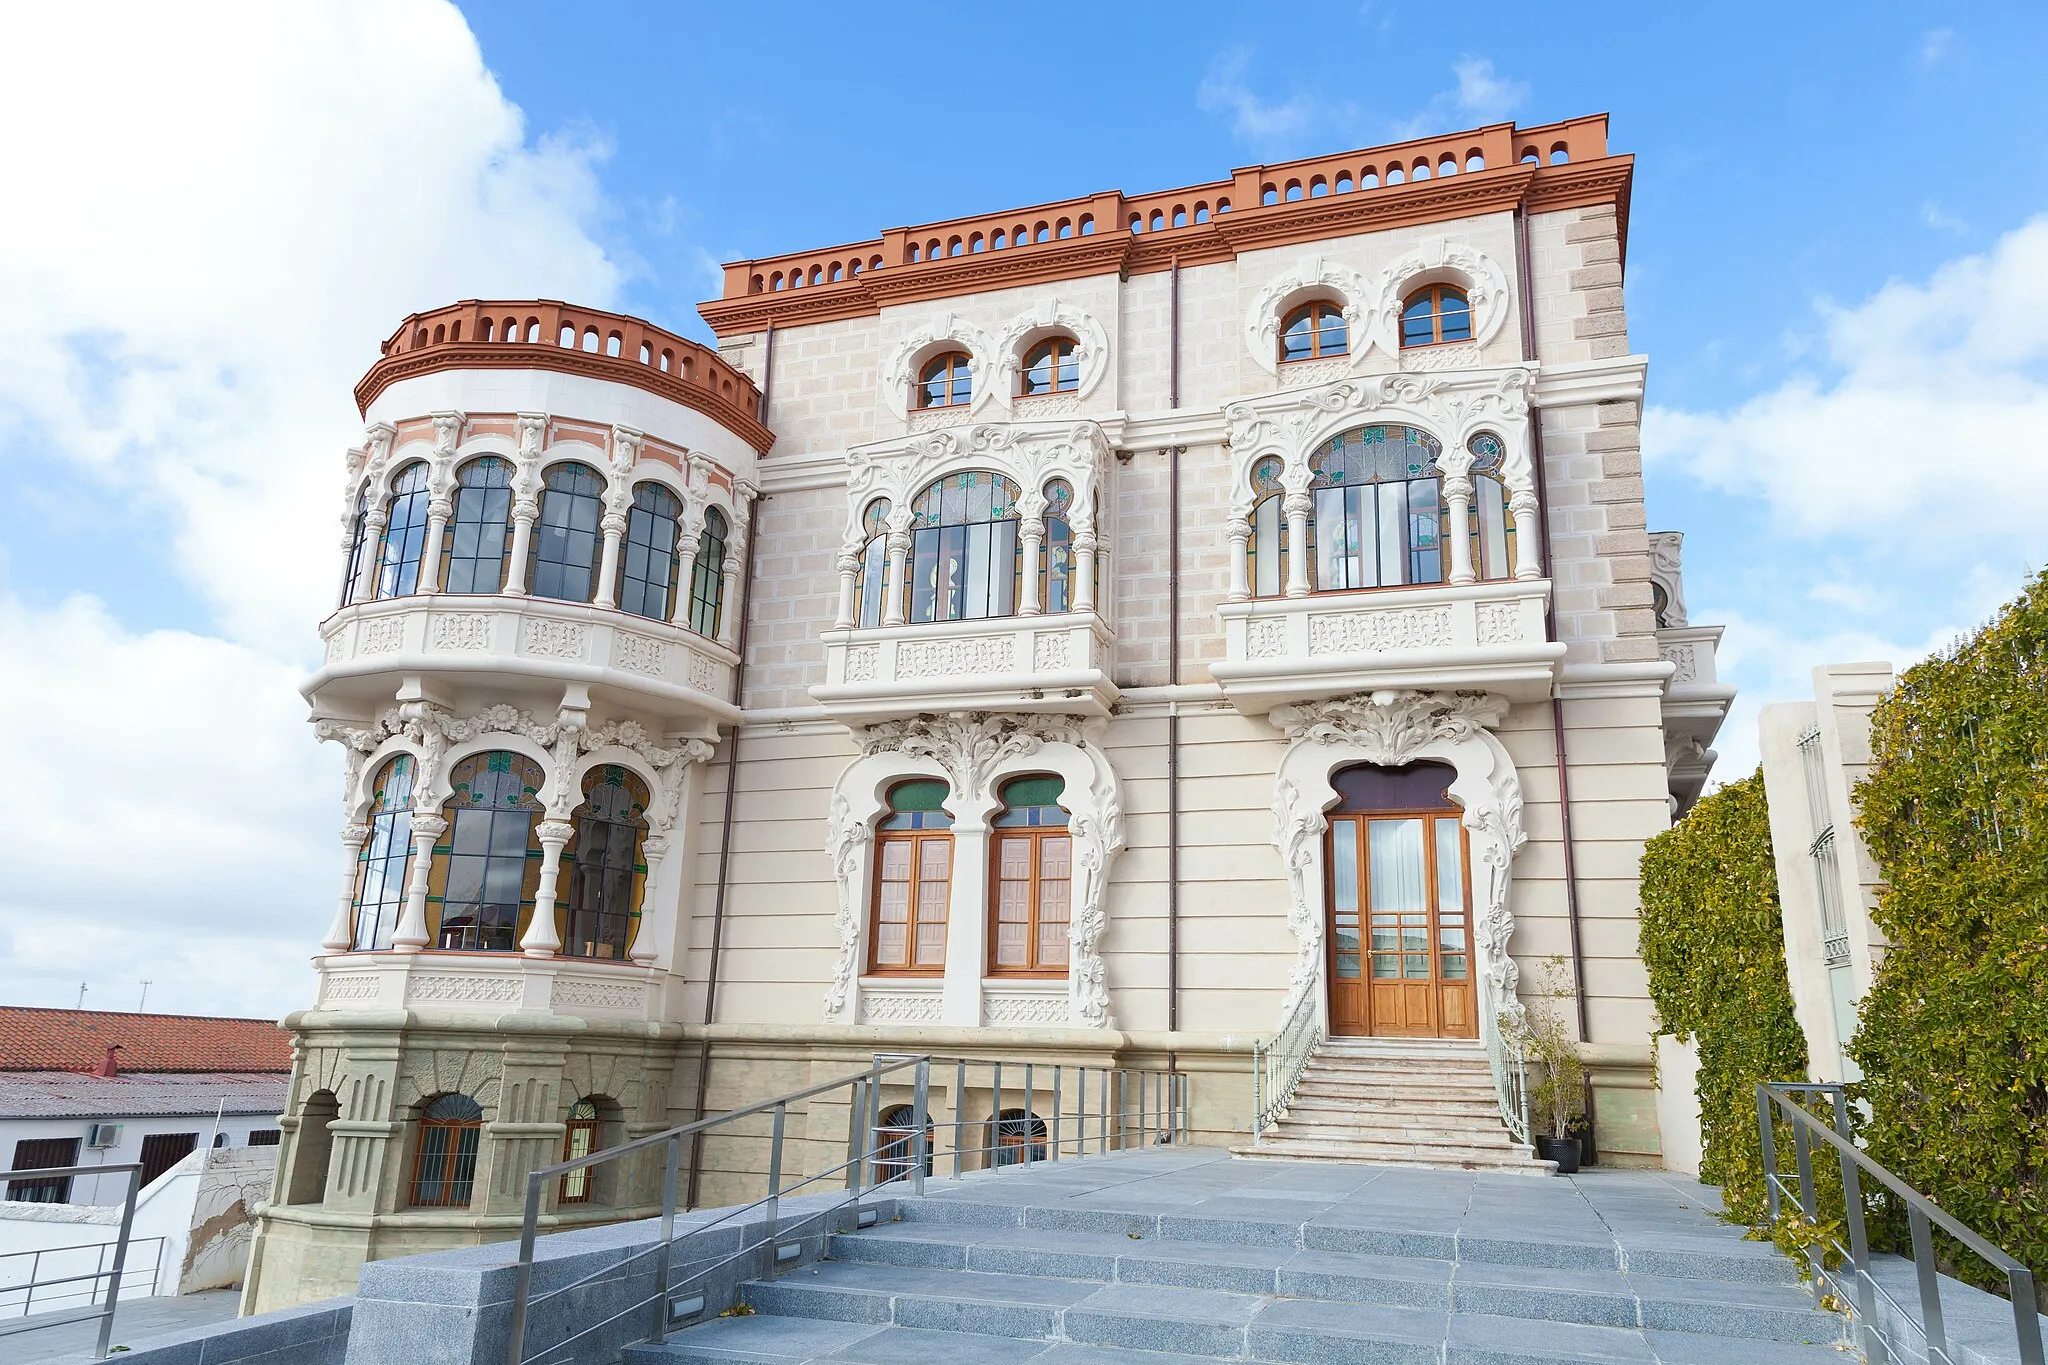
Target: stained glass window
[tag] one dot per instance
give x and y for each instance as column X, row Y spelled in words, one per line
column 647, row 568
column 1313, row 331
column 481, row 533
column 1033, row 859
column 405, row 533
column 874, row 563
column 604, row 867
column 444, row 1172
column 964, row 557
column 565, row 538
column 486, row 875
column 1050, row 367
column 707, row 581
column 1378, row 509
column 385, row 863
column 352, row 569
column 1493, row 529
column 913, row 880
column 1267, row 548
column 946, row 381
column 1437, row 314
column 1056, row 558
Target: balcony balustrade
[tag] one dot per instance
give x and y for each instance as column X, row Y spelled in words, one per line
column 1057, row 663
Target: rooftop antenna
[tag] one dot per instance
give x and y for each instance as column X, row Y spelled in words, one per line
column 81, row 995
column 145, row 996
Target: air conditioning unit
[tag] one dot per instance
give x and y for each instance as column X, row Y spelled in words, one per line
column 103, row 1135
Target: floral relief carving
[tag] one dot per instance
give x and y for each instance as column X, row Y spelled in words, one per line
column 899, row 373
column 956, row 658
column 1091, row 354
column 1380, row 632
column 1685, row 664
column 1439, row 258
column 490, row 990
column 899, row 1009
column 337, row 646
column 1500, row 623
column 468, row 630
column 1390, row 726
column 1030, row 455
column 707, row 675
column 382, row 637
column 1048, row 651
column 1265, row 639
column 938, row 419
column 1026, row 1010
column 861, row 663
column 846, row 837
column 1456, row 356
column 1313, row 276
column 1043, row 407
column 640, row 654
column 969, row 745
column 1665, row 550
column 569, row 993
column 1297, row 832
column 555, row 639
column 358, row 986
column 1098, row 837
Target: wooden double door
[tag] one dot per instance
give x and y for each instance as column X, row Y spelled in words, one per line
column 1399, row 927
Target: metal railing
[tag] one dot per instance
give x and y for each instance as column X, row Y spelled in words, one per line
column 1509, row 1062
column 1102, row 1109
column 1277, row 1066
column 102, row 1280
column 1862, row 1293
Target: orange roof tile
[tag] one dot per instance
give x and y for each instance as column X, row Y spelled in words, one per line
column 77, row 1040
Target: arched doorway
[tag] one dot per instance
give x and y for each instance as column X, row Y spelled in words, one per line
column 1398, row 897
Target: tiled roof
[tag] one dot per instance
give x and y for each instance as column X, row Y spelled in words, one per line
column 77, row 1040
column 56, row 1095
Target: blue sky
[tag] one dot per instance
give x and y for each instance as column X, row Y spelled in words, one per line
column 1838, row 264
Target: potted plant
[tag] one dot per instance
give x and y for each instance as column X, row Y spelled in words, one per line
column 1557, row 1098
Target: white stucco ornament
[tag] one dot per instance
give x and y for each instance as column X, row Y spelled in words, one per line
column 945, row 332
column 1437, row 260
column 1091, row 347
column 1311, row 278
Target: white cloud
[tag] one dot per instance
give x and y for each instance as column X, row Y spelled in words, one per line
column 1224, row 90
column 1485, row 95
column 223, row 229
column 1479, row 95
column 1940, row 219
column 1936, row 44
column 1922, row 427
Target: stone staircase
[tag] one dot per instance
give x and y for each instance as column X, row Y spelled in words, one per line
column 1407, row 1102
column 1185, row 1263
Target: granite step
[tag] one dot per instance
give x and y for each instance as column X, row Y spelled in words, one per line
column 1281, row 1147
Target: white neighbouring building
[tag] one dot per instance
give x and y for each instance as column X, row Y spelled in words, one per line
column 1081, row 632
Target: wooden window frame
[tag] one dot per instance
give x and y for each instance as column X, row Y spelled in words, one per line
column 1034, row 834
column 450, row 1158
column 957, row 363
column 1313, row 309
column 1436, row 317
column 580, row 1186
column 1064, row 349
column 915, row 838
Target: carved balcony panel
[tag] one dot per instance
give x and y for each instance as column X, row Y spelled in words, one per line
column 1695, row 703
column 450, row 645
column 486, row 983
column 1056, row 663
column 1482, row 637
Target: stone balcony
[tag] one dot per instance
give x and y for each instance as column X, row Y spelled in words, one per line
column 1482, row 637
column 1695, row 703
column 488, row 983
column 1056, row 663
column 446, row 644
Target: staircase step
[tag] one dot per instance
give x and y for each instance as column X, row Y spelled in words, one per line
column 1278, row 1148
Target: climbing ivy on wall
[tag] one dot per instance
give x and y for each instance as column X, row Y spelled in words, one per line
column 1715, row 948
column 1953, row 1041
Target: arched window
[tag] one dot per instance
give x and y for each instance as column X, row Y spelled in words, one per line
column 874, row 563
column 1493, row 530
column 312, row 1148
column 1378, row 509
column 352, row 569
column 604, row 864
column 405, row 533
column 1313, row 331
column 707, row 580
column 565, row 539
column 386, row 860
column 647, row 570
column 1034, row 868
column 1267, row 548
column 487, row 874
column 1020, row 1137
column 946, row 381
column 444, row 1172
column 963, row 549
column 1050, row 367
column 1436, row 314
column 481, row 533
column 580, row 1140
column 895, row 1143
column 1056, row 559
column 913, row 880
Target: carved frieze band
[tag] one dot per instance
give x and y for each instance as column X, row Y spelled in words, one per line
column 1380, row 632
column 885, row 1008
column 974, row 656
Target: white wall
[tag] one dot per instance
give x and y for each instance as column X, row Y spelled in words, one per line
column 110, row 1189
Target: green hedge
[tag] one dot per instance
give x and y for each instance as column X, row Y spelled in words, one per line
column 1954, row 1035
column 1715, row 948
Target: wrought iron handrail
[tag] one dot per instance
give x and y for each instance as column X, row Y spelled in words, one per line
column 1132, row 1107
column 1780, row 1100
column 1277, row 1066
column 1509, row 1062
column 112, row 1275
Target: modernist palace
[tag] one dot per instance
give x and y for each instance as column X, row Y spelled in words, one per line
column 1106, row 631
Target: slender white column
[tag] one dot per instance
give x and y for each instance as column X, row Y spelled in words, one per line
column 1240, row 560
column 438, row 512
column 540, row 939
column 729, row 604
column 1033, row 536
column 373, row 554
column 412, row 925
column 341, row 934
column 1298, row 506
column 1084, row 569
column 1528, row 561
column 1458, row 497
column 849, row 590
column 524, row 513
column 614, row 527
column 893, row 605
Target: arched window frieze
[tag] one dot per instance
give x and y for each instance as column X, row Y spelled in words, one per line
column 1309, row 312
column 707, row 574
column 485, row 874
column 562, row 564
column 604, row 865
column 384, row 864
column 648, row 563
column 965, row 559
column 479, row 536
column 405, row 532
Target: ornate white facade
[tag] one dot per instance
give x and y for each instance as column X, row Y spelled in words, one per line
column 1292, row 486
